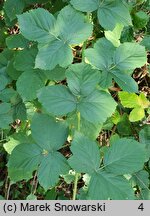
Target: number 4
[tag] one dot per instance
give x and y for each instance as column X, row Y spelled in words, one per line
column 141, row 207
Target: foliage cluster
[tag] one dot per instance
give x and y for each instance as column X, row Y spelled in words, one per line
column 74, row 99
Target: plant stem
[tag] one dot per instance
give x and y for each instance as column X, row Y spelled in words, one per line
column 77, row 174
column 75, row 186
column 79, row 119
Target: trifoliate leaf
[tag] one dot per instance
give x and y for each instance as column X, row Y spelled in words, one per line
column 55, row 37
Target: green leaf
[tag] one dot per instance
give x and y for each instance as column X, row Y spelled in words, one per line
column 25, row 59
column 103, row 52
column 38, row 25
column 13, row 8
column 31, row 197
column 18, row 174
column 132, row 100
column 55, row 37
column 11, row 70
column 144, row 135
column 141, row 179
column 82, row 79
column 129, row 100
column 112, row 12
column 19, row 111
column 15, row 140
column 124, row 126
column 17, row 41
column 57, row 100
column 96, row 107
column 125, row 81
column 3, row 81
column 114, row 36
column 86, row 5
column 109, row 12
column 90, row 130
column 146, row 42
column 29, row 83
column 140, row 19
column 57, row 74
column 53, row 165
column 136, row 114
column 55, row 53
column 26, row 157
column 5, row 115
column 51, row 194
column 45, row 132
column 104, row 186
column 125, row 156
column 72, row 26
column 8, row 94
column 129, row 56
column 86, row 155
